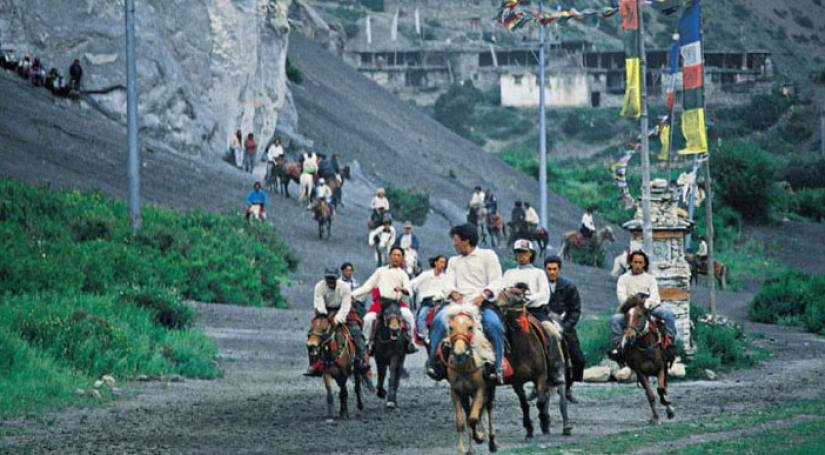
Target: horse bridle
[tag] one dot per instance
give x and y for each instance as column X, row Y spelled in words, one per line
column 467, row 338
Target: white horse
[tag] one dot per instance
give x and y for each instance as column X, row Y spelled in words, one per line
column 620, row 265
column 307, row 184
column 411, row 262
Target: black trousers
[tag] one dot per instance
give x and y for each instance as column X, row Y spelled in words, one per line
column 576, row 356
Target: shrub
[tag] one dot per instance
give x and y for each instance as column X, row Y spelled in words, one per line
column 594, row 337
column 805, row 172
column 408, row 204
column 165, row 303
column 293, row 73
column 809, row 203
column 743, row 175
column 455, row 108
column 780, row 297
column 720, row 346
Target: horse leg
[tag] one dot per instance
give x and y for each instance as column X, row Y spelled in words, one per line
column 459, row 421
column 475, row 415
column 382, row 373
column 651, row 399
column 525, row 409
column 330, row 400
column 343, row 395
column 359, row 399
column 491, row 430
column 662, row 389
column 542, row 404
column 392, row 384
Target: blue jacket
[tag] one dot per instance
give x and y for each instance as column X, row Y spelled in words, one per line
column 257, row 197
column 415, row 244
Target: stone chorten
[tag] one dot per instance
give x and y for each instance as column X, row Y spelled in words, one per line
column 668, row 262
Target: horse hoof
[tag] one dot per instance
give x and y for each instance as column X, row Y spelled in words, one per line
column 360, row 406
column 493, row 447
column 529, row 437
column 670, row 413
column 567, row 431
column 654, row 422
column 381, row 393
column 391, row 405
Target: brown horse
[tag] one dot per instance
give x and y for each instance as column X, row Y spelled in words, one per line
column 574, row 239
column 471, row 391
column 530, row 360
column 390, row 350
column 720, row 270
column 323, row 215
column 280, row 174
column 645, row 354
column 336, row 351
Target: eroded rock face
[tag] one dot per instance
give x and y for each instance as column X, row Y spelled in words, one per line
column 206, row 67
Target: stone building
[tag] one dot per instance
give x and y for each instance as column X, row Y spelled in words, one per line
column 668, row 262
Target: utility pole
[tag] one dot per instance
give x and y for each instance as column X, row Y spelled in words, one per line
column 542, row 129
column 709, row 237
column 132, row 119
column 647, row 228
column 822, row 130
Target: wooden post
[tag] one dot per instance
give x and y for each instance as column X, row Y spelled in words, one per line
column 647, row 226
column 709, row 237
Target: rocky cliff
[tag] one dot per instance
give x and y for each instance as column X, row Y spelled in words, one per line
column 206, row 67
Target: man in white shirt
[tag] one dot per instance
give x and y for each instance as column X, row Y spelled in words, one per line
column 538, row 296
column 429, row 288
column 275, row 151
column 382, row 238
column 636, row 281
column 469, row 274
column 477, row 199
column 333, row 297
column 531, row 217
column 588, row 227
column 392, row 284
column 323, row 192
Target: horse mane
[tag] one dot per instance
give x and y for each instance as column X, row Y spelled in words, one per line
column 631, row 302
column 454, row 309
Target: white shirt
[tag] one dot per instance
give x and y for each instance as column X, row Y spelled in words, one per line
column 630, row 285
column 310, row 161
column 338, row 299
column 380, row 203
column 386, row 279
column 477, row 199
column 533, row 277
column 429, row 285
column 702, row 251
column 530, row 216
column 406, row 241
column 385, row 238
column 235, row 143
column 323, row 192
column 469, row 275
column 587, row 221
column 274, row 152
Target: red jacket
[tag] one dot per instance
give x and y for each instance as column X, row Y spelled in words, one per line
column 250, row 146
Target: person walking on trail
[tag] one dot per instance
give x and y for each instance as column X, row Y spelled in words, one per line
column 75, row 75
column 477, row 199
column 236, row 148
column 382, row 238
column 387, row 284
column 256, row 197
column 469, row 274
column 637, row 281
column 429, row 289
column 701, row 261
column 333, row 298
column 538, row 296
column 251, row 148
column 565, row 306
column 588, row 227
column 531, row 218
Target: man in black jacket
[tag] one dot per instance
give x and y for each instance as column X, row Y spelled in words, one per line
column 566, row 304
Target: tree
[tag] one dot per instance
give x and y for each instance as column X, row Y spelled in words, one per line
column 455, row 108
column 744, row 174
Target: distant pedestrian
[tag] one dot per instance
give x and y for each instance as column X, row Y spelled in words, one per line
column 249, row 157
column 75, row 75
column 236, row 148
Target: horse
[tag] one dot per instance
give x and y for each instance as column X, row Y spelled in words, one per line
column 255, row 212
column 336, row 184
column 620, row 265
column 390, row 350
column 377, row 218
column 477, row 216
column 336, row 351
column 323, row 215
column 495, row 227
column 531, row 360
column 575, row 239
column 281, row 174
column 381, row 243
column 307, row 184
column 522, row 231
column 472, row 392
column 411, row 263
column 645, row 354
column 720, row 270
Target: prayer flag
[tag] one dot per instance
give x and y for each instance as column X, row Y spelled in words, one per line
column 632, row 106
column 369, row 30
column 417, row 22
column 394, row 29
column 693, row 118
column 664, row 139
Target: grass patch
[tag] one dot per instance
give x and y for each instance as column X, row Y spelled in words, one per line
column 83, row 296
column 594, row 337
column 651, row 437
column 720, row 347
column 805, row 437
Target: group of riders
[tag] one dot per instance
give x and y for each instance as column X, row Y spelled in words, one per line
column 474, row 276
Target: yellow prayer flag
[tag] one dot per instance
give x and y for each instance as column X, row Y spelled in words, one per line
column 633, row 89
column 664, row 139
column 693, row 129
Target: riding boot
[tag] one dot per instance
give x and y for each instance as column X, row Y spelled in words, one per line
column 435, row 369
column 671, row 352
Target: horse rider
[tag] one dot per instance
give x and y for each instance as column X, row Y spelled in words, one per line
column 256, row 197
column 429, row 290
column 588, row 227
column 380, row 205
column 637, row 281
column 407, row 240
column 701, row 261
column 491, row 204
column 347, row 272
column 274, row 153
column 517, row 216
column 382, row 238
column 469, row 274
column 537, row 297
column 565, row 303
column 324, row 193
column 392, row 284
column 531, row 218
column 476, row 200
column 333, row 298
column 309, row 164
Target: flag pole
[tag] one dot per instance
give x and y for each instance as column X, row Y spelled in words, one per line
column 133, row 162
column 647, row 228
column 542, row 128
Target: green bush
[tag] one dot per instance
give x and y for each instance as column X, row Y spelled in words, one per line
column 408, row 205
column 783, row 296
column 809, row 203
column 165, row 303
column 720, row 346
column 594, row 337
column 293, row 73
column 743, row 175
column 805, row 172
column 455, row 108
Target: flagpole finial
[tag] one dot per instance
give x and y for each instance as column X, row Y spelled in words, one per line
column 675, row 36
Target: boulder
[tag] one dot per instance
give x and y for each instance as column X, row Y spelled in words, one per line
column 79, row 392
column 597, row 374
column 677, row 371
column 625, row 375
column 108, row 379
column 98, row 384
column 710, row 375
column 97, row 395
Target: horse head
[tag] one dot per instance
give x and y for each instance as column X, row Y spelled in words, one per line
column 320, row 332
column 391, row 314
column 512, row 300
column 635, row 319
column 607, row 234
column 460, row 331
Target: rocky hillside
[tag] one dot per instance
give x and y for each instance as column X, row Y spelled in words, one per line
column 206, row 67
